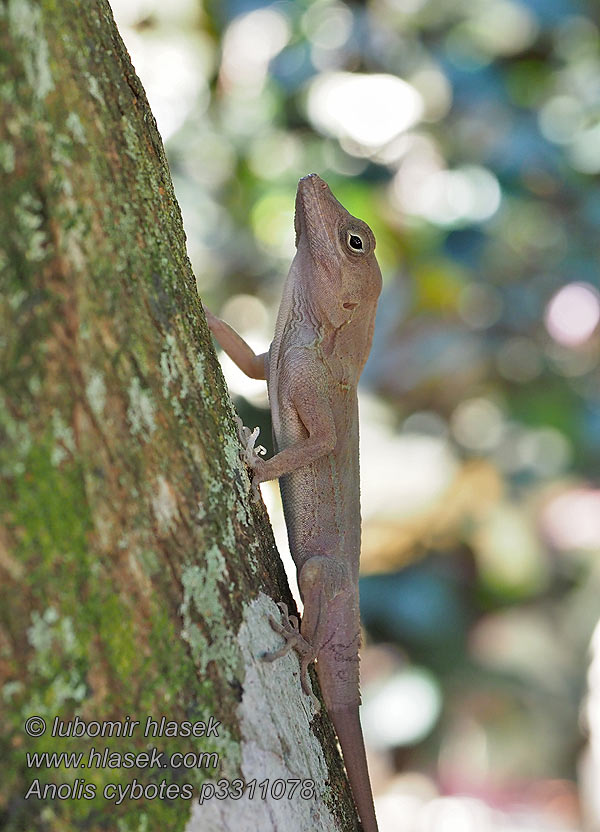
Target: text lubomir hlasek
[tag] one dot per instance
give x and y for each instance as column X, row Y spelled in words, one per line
column 162, row 727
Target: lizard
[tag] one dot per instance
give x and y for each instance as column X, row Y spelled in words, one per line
column 322, row 340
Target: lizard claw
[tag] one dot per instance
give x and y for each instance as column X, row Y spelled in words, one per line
column 294, row 640
column 284, row 609
column 248, row 439
column 251, row 452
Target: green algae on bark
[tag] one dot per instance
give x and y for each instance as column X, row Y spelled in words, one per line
column 127, row 535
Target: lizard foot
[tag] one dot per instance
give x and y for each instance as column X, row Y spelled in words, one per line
column 251, row 450
column 294, row 640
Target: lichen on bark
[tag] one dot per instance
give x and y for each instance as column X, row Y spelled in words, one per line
column 129, row 545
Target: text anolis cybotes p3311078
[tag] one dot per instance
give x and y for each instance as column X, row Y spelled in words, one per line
column 322, row 340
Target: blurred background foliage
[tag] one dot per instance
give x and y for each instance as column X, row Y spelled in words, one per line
column 467, row 133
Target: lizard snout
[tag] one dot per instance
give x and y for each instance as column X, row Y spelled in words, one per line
column 315, row 180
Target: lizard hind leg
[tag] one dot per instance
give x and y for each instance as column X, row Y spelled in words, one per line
column 321, row 579
column 294, row 640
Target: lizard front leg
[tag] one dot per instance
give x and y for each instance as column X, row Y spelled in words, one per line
column 306, row 395
column 254, row 366
column 241, row 353
column 308, row 398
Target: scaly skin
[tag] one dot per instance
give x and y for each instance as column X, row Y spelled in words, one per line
column 321, row 343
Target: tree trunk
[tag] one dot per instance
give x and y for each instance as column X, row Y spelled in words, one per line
column 136, row 572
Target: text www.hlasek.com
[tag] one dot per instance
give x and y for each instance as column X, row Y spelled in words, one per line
column 106, row 758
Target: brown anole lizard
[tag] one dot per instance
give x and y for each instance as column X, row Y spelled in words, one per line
column 321, row 343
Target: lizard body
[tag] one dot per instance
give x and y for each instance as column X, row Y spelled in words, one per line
column 321, row 343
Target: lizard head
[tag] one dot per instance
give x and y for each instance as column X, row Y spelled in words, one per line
column 336, row 253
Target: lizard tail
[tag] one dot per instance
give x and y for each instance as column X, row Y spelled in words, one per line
column 347, row 726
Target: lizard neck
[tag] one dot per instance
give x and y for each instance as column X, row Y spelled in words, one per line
column 303, row 320
column 301, row 326
column 349, row 345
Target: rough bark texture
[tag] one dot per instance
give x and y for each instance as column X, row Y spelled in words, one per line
column 136, row 574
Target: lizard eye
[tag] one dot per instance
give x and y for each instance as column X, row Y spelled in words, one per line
column 355, row 242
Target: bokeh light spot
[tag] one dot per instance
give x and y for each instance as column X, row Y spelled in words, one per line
column 328, row 25
column 272, row 219
column 572, row 519
column 477, row 424
column 403, row 710
column 448, row 197
column 573, row 314
column 584, row 152
column 250, row 42
column 560, row 118
column 369, row 109
column 501, row 27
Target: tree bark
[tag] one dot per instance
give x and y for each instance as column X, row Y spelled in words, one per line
column 137, row 575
